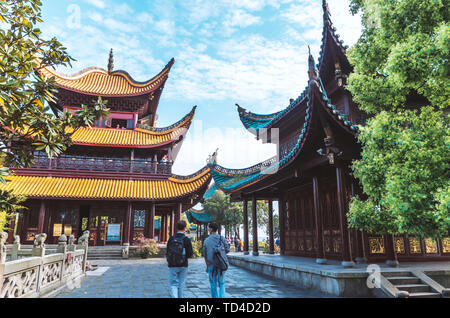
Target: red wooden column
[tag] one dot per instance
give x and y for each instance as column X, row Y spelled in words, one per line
column 254, row 227
column 346, row 252
column 391, row 254
column 245, row 212
column 151, row 228
column 41, row 217
column 320, row 254
column 127, row 231
column 271, row 243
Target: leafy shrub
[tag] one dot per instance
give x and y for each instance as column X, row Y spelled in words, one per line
column 197, row 248
column 147, row 247
column 265, row 248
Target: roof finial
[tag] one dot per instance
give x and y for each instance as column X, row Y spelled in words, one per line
column 111, row 62
column 212, row 159
column 311, row 66
column 326, row 10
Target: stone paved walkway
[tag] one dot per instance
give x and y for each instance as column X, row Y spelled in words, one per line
column 149, row 278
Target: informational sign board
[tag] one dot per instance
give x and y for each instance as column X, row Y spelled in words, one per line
column 57, row 230
column 113, row 232
column 67, row 229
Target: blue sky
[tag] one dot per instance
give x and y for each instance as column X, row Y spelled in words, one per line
column 251, row 52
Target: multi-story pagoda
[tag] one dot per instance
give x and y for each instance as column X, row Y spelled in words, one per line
column 117, row 177
column 310, row 176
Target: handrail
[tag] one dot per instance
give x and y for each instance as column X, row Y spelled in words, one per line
column 137, row 165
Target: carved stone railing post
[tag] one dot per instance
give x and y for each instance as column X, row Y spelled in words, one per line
column 3, row 238
column 83, row 243
column 62, row 248
column 15, row 248
column 126, row 250
column 71, row 247
column 39, row 245
column 39, row 251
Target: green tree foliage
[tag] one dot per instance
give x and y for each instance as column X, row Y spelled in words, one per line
column 402, row 55
column 223, row 211
column 405, row 172
column 26, row 123
column 400, row 78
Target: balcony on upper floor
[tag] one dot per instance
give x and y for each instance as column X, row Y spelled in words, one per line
column 106, row 164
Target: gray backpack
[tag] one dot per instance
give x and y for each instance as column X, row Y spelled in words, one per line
column 220, row 256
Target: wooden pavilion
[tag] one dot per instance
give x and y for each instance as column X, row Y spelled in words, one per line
column 310, row 175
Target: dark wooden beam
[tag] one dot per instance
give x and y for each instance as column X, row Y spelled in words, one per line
column 346, row 251
column 255, row 227
column 245, row 215
column 128, row 214
column 320, row 255
column 151, row 229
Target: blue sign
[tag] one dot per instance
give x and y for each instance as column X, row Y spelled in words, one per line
column 113, row 232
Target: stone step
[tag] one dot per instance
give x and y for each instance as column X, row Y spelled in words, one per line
column 397, row 274
column 425, row 295
column 414, row 288
column 404, row 280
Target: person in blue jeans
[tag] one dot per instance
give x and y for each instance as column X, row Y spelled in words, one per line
column 178, row 268
column 216, row 277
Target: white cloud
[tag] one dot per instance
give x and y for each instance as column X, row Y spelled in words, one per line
column 259, row 69
column 241, row 18
column 97, row 3
column 237, row 148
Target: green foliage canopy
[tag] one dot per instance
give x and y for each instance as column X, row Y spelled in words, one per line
column 222, row 210
column 402, row 55
column 400, row 78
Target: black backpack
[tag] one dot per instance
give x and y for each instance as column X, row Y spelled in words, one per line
column 220, row 256
column 176, row 255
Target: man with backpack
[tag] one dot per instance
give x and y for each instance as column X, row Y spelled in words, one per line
column 179, row 249
column 215, row 249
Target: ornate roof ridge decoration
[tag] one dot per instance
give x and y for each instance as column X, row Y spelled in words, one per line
column 250, row 122
column 100, row 188
column 328, row 26
column 229, row 180
column 197, row 174
column 187, row 119
column 253, row 120
column 199, row 214
column 97, row 81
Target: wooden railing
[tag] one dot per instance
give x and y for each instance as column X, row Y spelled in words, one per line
column 23, row 275
column 65, row 162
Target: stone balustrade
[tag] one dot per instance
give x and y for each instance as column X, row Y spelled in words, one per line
column 36, row 271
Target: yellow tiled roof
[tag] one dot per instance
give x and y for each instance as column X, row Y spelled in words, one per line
column 88, row 188
column 123, row 137
column 132, row 138
column 98, row 81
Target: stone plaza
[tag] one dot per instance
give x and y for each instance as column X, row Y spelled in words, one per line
column 150, row 279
